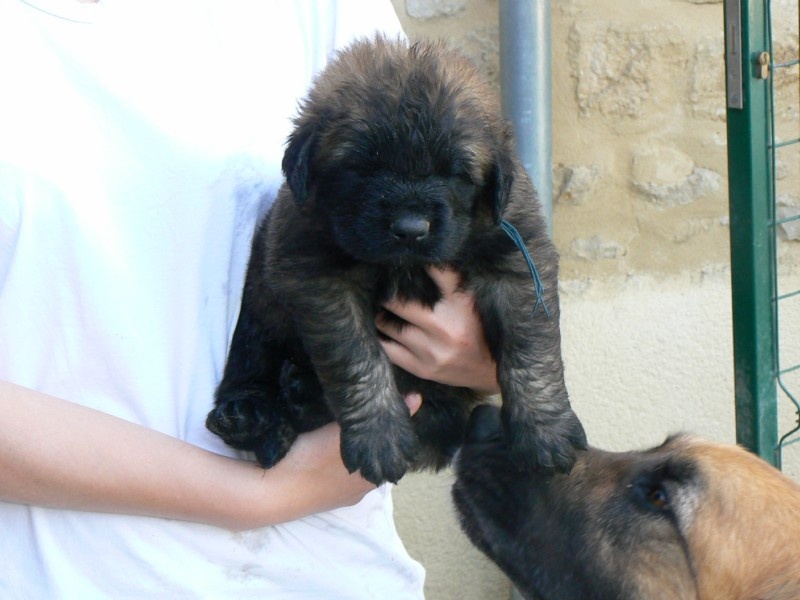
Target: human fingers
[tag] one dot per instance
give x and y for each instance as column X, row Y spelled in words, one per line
column 414, row 402
column 403, row 314
column 446, row 279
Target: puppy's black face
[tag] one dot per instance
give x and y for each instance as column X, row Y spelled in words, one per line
column 393, row 197
column 401, row 162
column 613, row 528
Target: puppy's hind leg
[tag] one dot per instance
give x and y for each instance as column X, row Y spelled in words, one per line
column 250, row 412
column 441, row 421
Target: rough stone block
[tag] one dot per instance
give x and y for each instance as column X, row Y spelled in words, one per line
column 596, row 248
column 789, row 207
column 429, row 9
column 575, row 184
column 668, row 177
column 617, row 70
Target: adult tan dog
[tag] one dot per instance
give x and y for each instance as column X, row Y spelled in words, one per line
column 687, row 520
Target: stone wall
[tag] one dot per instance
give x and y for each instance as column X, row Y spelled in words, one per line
column 641, row 224
column 638, row 124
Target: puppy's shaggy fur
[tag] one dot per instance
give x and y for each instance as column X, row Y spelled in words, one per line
column 399, row 160
column 688, row 520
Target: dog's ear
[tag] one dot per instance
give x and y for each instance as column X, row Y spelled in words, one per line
column 297, row 159
column 501, row 176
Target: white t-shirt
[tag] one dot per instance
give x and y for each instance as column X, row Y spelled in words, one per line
column 137, row 140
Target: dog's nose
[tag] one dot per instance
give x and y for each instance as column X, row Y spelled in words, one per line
column 410, row 228
column 484, row 425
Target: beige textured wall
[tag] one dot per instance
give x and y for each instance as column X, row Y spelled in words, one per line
column 641, row 223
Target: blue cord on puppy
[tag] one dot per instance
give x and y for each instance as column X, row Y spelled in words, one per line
column 512, row 232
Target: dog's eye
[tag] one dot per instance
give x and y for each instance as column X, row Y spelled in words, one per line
column 464, row 177
column 651, row 493
column 463, row 184
column 658, row 499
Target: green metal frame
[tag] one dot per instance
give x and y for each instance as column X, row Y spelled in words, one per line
column 752, row 236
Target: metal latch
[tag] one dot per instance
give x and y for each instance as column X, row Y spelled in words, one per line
column 762, row 65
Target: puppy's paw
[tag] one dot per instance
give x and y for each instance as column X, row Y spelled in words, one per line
column 246, row 423
column 381, row 451
column 302, row 395
column 545, row 445
column 274, row 447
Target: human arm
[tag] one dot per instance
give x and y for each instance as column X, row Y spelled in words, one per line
column 444, row 344
column 59, row 454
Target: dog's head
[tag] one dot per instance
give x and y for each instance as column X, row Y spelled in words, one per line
column 402, row 149
column 689, row 519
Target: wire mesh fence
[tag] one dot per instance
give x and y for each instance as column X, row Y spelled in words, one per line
column 783, row 29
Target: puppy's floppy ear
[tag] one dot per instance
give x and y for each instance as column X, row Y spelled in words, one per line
column 297, row 159
column 501, row 175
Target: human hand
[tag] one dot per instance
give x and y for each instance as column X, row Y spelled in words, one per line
column 315, row 463
column 445, row 344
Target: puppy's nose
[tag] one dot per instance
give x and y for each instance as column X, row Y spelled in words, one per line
column 484, row 425
column 410, row 228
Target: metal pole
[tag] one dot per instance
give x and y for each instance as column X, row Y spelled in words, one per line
column 525, row 88
column 525, row 85
column 749, row 195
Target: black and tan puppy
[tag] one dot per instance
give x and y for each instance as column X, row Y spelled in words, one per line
column 688, row 520
column 399, row 160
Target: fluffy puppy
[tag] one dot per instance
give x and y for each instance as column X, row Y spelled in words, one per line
column 399, row 160
column 688, row 520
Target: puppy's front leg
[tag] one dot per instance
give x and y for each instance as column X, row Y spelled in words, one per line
column 339, row 334
column 543, row 430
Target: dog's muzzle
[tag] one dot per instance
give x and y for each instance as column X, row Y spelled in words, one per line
column 410, row 229
column 484, row 426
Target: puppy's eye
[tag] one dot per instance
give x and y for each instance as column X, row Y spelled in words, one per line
column 465, row 177
column 463, row 184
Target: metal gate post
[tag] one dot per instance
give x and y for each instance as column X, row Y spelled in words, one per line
column 750, row 192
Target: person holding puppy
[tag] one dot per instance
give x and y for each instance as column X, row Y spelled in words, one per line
column 140, row 143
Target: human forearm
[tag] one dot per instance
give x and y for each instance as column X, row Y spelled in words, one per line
column 59, row 454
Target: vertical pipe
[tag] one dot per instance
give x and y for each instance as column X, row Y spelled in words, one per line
column 525, row 89
column 525, row 86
